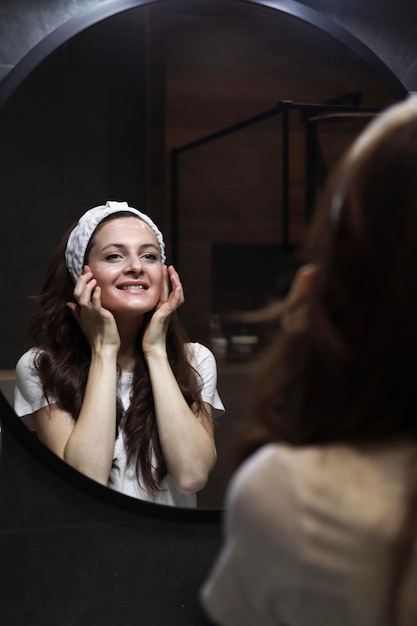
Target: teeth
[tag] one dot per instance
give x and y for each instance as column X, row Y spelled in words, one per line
column 132, row 287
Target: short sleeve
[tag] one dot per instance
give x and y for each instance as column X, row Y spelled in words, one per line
column 203, row 361
column 252, row 580
column 28, row 394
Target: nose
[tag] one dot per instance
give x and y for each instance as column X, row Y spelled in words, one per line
column 134, row 265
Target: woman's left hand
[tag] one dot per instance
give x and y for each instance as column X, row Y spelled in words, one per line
column 170, row 300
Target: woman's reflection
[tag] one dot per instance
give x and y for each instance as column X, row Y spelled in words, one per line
column 111, row 385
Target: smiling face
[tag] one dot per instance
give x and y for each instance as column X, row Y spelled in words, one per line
column 125, row 260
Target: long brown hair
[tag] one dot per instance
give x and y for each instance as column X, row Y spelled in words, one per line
column 64, row 358
column 349, row 375
column 357, row 357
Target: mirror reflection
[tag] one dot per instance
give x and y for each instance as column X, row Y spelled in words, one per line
column 218, row 118
column 109, row 384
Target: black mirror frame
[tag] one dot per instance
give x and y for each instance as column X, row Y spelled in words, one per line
column 11, row 424
column 108, row 9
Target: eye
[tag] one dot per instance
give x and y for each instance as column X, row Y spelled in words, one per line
column 114, row 256
column 149, row 256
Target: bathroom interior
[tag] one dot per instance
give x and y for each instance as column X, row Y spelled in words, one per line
column 221, row 119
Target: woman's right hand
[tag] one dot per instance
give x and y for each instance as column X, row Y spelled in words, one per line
column 97, row 323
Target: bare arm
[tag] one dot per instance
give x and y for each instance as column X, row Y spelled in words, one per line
column 187, row 439
column 88, row 443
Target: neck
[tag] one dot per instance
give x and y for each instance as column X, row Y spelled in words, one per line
column 128, row 332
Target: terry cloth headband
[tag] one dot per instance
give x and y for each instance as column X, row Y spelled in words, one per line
column 81, row 234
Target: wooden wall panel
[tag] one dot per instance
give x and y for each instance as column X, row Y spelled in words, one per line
column 223, row 65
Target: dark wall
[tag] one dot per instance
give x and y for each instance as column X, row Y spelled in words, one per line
column 73, row 135
column 223, row 70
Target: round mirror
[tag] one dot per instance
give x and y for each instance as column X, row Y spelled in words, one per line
column 219, row 118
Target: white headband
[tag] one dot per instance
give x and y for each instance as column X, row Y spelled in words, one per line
column 81, row 234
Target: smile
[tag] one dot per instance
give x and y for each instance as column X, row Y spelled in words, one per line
column 132, row 288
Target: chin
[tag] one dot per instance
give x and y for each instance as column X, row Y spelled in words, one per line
column 133, row 308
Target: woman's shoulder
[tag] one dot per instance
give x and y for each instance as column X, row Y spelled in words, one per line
column 260, row 473
column 332, row 481
column 261, row 502
column 278, row 469
column 200, row 356
column 28, row 395
column 274, row 458
column 198, row 350
column 332, row 464
column 26, row 362
column 204, row 363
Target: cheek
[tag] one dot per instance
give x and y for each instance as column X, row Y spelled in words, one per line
column 103, row 276
column 155, row 273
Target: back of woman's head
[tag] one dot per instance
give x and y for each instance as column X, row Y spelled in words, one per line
column 366, row 246
column 349, row 375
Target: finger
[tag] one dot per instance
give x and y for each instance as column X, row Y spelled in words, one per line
column 174, row 276
column 79, row 286
column 83, row 280
column 165, row 285
column 303, row 283
column 176, row 299
column 87, row 287
column 176, row 283
column 96, row 298
column 81, row 283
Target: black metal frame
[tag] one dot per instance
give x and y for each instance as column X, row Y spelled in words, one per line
column 110, row 8
column 311, row 113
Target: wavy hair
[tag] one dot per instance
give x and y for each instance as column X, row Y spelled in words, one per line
column 349, row 375
column 64, row 357
column 357, row 356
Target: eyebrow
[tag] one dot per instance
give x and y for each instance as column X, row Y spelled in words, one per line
column 120, row 246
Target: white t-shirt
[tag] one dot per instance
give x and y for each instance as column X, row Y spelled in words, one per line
column 29, row 397
column 309, row 534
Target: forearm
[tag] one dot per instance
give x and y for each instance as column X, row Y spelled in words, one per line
column 90, row 447
column 187, row 441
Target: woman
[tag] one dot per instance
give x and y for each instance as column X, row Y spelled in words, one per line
column 321, row 521
column 111, row 385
